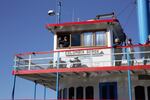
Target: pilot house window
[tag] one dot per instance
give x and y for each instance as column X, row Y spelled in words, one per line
column 84, row 39
column 100, row 38
column 88, row 39
column 75, row 39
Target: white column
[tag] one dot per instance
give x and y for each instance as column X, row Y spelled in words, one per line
column 110, row 43
column 55, row 41
column 109, row 37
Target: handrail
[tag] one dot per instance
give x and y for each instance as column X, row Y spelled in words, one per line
column 68, row 50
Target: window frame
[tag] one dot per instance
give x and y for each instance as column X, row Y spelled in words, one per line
column 105, row 38
column 81, row 39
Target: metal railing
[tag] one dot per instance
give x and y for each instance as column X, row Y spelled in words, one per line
column 91, row 57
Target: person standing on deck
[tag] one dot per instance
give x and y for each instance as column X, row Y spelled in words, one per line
column 147, row 51
column 131, row 50
column 117, row 52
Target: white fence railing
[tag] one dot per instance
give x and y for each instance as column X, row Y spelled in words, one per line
column 98, row 57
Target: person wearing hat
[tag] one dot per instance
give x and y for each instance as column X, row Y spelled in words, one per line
column 117, row 52
column 131, row 50
column 147, row 50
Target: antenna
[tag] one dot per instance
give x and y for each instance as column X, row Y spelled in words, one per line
column 59, row 12
column 73, row 14
column 78, row 19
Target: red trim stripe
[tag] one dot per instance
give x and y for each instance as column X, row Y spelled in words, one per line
column 89, row 69
column 82, row 22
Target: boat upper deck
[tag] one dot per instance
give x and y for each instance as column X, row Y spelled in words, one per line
column 82, row 62
column 83, row 59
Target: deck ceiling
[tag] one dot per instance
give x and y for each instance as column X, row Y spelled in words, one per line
column 49, row 79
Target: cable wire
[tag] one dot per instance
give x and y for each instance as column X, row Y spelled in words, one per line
column 125, row 8
column 129, row 16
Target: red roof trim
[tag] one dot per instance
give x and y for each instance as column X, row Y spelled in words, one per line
column 82, row 22
column 89, row 69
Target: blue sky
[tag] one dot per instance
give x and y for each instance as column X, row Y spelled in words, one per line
column 22, row 29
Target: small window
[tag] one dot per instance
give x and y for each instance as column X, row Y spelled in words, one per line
column 65, row 93
column 71, row 93
column 111, row 91
column 88, row 39
column 100, row 38
column 89, row 92
column 139, row 93
column 75, row 39
column 104, row 92
column 108, row 90
column 79, row 93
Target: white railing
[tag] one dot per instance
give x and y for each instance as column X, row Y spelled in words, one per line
column 95, row 57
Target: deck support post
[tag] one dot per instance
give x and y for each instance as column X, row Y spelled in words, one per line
column 57, row 76
column 29, row 67
column 14, row 87
column 129, row 76
column 44, row 92
column 35, row 84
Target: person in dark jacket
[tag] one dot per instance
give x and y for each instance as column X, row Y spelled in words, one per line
column 66, row 42
column 131, row 51
column 117, row 52
column 147, row 51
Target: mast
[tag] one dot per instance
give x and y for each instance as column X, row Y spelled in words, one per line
column 57, row 74
column 143, row 19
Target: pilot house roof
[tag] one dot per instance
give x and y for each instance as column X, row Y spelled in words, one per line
column 89, row 25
